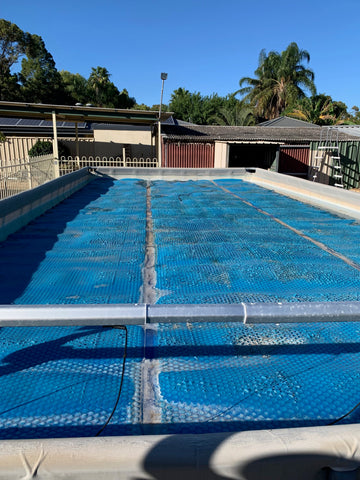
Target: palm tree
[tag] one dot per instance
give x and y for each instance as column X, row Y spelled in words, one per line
column 239, row 113
column 99, row 80
column 316, row 109
column 280, row 81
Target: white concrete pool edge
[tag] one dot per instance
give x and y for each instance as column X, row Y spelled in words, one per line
column 335, row 200
column 297, row 453
column 19, row 210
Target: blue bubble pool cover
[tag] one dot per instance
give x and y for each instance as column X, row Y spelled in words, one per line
column 225, row 241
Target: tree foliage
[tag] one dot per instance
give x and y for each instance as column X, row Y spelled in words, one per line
column 281, row 85
column 40, row 82
column 210, row 110
column 44, row 147
column 280, row 81
column 186, row 106
column 76, row 86
column 11, row 48
column 320, row 110
column 234, row 112
column 39, row 78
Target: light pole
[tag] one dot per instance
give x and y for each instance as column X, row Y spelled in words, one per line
column 163, row 78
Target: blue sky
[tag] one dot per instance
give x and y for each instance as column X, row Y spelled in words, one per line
column 204, row 46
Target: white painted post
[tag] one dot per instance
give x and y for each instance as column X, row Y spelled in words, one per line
column 77, row 145
column 28, row 161
column 124, row 156
column 159, row 145
column 55, row 147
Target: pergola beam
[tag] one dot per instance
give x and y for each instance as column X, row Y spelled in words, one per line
column 80, row 113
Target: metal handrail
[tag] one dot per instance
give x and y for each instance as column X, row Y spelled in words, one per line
column 144, row 314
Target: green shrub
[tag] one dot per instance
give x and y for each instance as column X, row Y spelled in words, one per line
column 46, row 148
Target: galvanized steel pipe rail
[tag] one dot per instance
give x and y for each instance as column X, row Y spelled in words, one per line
column 144, row 314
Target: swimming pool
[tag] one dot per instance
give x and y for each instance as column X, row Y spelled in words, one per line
column 219, row 241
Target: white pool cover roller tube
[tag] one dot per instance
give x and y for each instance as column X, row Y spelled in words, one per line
column 142, row 314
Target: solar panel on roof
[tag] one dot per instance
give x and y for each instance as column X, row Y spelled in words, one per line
column 34, row 122
column 8, row 121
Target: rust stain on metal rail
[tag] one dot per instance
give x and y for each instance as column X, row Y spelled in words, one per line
column 321, row 245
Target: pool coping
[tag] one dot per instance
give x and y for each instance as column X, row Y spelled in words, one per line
column 193, row 455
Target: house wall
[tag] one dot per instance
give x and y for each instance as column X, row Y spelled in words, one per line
column 111, row 139
column 221, row 155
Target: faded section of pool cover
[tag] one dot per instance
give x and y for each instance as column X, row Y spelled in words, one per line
column 212, row 247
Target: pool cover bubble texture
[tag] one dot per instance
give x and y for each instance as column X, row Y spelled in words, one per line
column 211, row 247
column 235, row 377
column 239, row 254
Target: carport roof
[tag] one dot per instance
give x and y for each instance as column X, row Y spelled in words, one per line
column 208, row 133
column 68, row 113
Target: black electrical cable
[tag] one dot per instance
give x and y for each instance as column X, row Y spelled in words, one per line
column 120, row 327
column 344, row 416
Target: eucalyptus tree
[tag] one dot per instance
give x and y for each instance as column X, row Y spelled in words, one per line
column 280, row 81
column 11, row 49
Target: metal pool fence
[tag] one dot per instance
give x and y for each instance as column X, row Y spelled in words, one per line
column 71, row 164
column 25, row 174
column 30, row 172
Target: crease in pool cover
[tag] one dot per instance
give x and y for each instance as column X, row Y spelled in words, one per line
column 150, row 385
column 321, row 245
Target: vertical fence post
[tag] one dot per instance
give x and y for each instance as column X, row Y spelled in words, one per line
column 77, row 145
column 124, row 156
column 55, row 147
column 28, row 161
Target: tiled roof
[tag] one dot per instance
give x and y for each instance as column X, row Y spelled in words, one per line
column 206, row 133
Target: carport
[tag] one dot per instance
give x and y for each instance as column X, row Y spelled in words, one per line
column 79, row 113
column 259, row 155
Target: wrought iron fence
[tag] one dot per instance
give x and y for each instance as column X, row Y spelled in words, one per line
column 25, row 174
column 70, row 164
